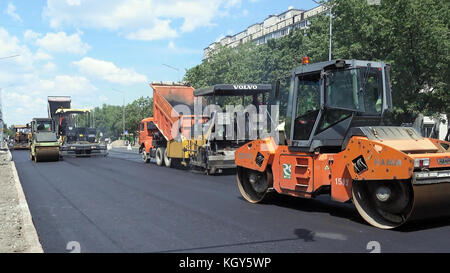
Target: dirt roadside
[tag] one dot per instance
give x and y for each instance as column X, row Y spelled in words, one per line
column 17, row 232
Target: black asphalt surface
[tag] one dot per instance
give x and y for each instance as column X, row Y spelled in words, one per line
column 120, row 204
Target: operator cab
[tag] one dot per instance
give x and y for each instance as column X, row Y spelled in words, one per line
column 75, row 125
column 320, row 102
column 43, row 129
column 42, row 125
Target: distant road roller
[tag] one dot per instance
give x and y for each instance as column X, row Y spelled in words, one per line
column 21, row 137
column 44, row 143
column 332, row 143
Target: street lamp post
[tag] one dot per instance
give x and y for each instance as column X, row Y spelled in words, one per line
column 9, row 57
column 331, row 33
column 176, row 69
column 331, row 26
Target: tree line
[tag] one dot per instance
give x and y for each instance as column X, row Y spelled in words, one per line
column 108, row 119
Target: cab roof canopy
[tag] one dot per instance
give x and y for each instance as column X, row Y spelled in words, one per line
column 20, row 126
column 40, row 119
column 334, row 64
column 233, row 90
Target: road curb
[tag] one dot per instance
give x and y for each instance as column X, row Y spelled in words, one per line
column 29, row 231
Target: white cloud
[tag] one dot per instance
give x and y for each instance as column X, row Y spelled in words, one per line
column 62, row 43
column 72, row 85
column 21, row 107
column 108, row 71
column 103, row 98
column 137, row 19
column 24, row 83
column 233, row 3
column 11, row 46
column 171, row 45
column 173, row 48
column 40, row 55
column 22, row 103
column 30, row 36
column 11, row 11
column 49, row 67
column 73, row 2
column 160, row 31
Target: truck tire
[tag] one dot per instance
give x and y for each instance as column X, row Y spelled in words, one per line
column 145, row 156
column 167, row 160
column 160, row 156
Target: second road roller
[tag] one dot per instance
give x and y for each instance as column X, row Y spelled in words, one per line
column 44, row 143
column 331, row 140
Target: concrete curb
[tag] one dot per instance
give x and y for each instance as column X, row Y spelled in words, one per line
column 29, row 231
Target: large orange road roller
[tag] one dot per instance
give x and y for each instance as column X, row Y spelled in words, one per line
column 330, row 141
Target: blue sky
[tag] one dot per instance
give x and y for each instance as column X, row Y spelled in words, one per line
column 98, row 51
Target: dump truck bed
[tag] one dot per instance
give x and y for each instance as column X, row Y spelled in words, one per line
column 56, row 102
column 165, row 98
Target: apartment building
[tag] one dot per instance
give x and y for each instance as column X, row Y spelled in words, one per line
column 273, row 27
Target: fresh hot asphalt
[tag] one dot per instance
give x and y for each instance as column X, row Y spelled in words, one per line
column 120, row 204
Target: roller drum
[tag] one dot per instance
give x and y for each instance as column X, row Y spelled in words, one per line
column 390, row 204
column 47, row 154
column 431, row 201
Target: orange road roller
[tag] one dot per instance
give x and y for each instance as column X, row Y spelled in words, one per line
column 330, row 140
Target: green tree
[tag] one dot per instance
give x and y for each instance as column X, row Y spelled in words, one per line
column 136, row 111
column 108, row 118
column 411, row 35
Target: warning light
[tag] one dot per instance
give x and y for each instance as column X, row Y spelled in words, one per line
column 305, row 60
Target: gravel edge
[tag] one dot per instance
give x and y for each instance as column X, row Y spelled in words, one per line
column 29, row 231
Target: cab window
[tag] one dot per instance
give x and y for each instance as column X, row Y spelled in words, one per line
column 44, row 126
column 308, row 105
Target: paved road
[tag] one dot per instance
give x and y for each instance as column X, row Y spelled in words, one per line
column 119, row 204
